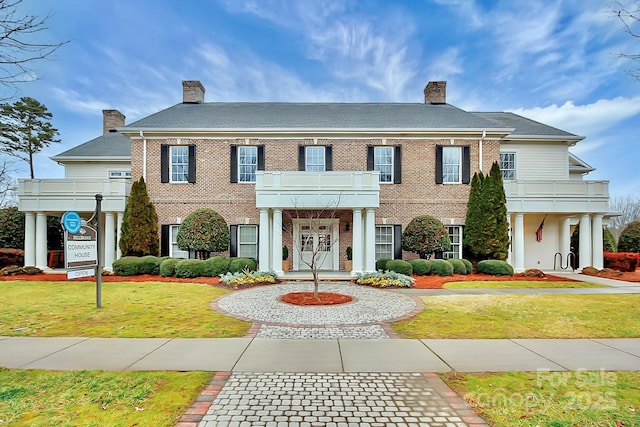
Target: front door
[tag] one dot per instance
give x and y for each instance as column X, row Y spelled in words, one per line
column 315, row 243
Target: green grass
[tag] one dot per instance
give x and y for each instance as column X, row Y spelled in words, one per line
column 519, row 284
column 525, row 316
column 129, row 310
column 552, row 399
column 95, row 398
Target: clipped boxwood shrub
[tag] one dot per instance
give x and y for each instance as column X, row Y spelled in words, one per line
column 494, row 267
column 149, row 265
column 168, row 267
column 215, row 266
column 467, row 264
column 399, row 266
column 381, row 264
column 239, row 264
column 421, row 267
column 189, row 268
column 441, row 267
column 126, row 266
column 458, row 266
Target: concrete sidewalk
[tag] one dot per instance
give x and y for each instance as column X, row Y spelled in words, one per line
column 319, row 356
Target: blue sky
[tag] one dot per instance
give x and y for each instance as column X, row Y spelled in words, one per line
column 553, row 61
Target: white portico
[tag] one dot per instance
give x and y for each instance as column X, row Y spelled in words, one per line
column 280, row 191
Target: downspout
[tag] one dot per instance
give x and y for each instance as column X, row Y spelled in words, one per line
column 144, row 156
column 484, row 135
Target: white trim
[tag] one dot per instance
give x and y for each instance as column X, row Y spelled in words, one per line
column 333, row 223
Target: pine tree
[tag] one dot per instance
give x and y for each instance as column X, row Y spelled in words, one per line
column 139, row 235
column 26, row 129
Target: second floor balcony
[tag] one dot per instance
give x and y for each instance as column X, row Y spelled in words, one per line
column 557, row 196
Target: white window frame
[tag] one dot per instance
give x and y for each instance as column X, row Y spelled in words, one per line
column 379, row 252
column 314, row 162
column 445, row 175
column 177, row 164
column 512, row 170
column 119, row 174
column 249, row 243
column 174, row 251
column 377, row 166
column 247, row 178
column 456, row 244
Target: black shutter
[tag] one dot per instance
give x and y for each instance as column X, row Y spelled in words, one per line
column 439, row 164
column 233, row 249
column 164, row 163
column 397, row 165
column 328, row 158
column 301, row 158
column 370, row 155
column 233, row 173
column 397, row 241
column 165, row 232
column 438, row 255
column 466, row 164
column 192, row 164
column 260, row 157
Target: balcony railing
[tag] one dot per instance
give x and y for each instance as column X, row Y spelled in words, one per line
column 557, row 196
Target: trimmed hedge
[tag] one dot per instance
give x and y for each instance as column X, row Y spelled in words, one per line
column 458, row 266
column 400, row 266
column 381, row 264
column 215, row 266
column 149, row 265
column 467, row 264
column 126, row 266
column 421, row 267
column 239, row 264
column 168, row 267
column 441, row 267
column 189, row 268
column 494, row 267
column 623, row 261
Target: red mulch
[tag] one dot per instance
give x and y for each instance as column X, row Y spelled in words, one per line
column 323, row 298
column 437, row 282
column 627, row 276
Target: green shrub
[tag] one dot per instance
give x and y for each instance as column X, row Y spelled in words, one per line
column 468, row 264
column 441, row 267
column 203, row 231
column 126, row 266
column 400, row 266
column 458, row 266
column 630, row 238
column 421, row 267
column 149, row 265
column 609, row 243
column 381, row 264
column 239, row 264
column 494, row 267
column 215, row 266
column 189, row 268
column 168, row 267
column 384, row 280
column 425, row 235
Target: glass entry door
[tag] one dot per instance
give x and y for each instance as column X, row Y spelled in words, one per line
column 315, row 241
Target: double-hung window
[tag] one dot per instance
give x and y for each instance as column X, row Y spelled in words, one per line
column 315, row 158
column 247, row 163
column 384, row 242
column 383, row 162
column 179, row 163
column 508, row 165
column 174, row 250
column 451, row 165
column 248, row 241
column 455, row 235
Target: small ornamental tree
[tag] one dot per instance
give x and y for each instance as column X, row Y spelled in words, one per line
column 425, row 235
column 203, row 231
column 139, row 235
column 630, row 238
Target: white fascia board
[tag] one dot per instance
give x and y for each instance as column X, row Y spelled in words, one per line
column 91, row 158
column 569, row 140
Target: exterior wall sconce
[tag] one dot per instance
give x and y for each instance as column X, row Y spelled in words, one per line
column 347, row 227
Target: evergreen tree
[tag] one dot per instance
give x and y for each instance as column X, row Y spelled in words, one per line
column 425, row 235
column 474, row 221
column 203, row 231
column 139, row 234
column 26, row 129
column 630, row 238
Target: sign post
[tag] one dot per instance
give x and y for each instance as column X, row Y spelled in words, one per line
column 98, row 215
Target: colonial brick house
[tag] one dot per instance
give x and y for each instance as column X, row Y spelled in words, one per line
column 371, row 167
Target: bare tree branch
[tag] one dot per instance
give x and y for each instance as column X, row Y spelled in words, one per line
column 8, row 185
column 629, row 14
column 628, row 207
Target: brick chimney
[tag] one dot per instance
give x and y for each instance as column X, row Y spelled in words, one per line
column 111, row 119
column 435, row 93
column 192, row 91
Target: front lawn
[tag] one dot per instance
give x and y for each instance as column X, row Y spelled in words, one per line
column 95, row 398
column 553, row 399
column 525, row 316
column 519, row 284
column 129, row 310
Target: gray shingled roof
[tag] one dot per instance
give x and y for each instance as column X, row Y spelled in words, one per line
column 275, row 115
column 524, row 126
column 109, row 145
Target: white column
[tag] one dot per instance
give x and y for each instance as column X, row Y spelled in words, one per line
column 29, row 239
column 358, row 242
column 119, row 227
column 585, row 241
column 277, row 241
column 370, row 240
column 41, row 241
column 518, row 242
column 109, row 240
column 263, row 250
column 510, row 251
column 596, row 238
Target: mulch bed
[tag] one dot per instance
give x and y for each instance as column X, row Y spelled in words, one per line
column 627, row 276
column 323, row 298
column 437, row 282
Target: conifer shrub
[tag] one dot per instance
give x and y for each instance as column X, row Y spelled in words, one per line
column 494, row 267
column 216, row 266
column 609, row 243
column 188, row 268
column 168, row 267
column 139, row 235
column 458, row 266
column 468, row 265
column 629, row 240
column 421, row 267
column 381, row 264
column 400, row 266
column 441, row 267
column 126, row 266
column 149, row 265
column 239, row 264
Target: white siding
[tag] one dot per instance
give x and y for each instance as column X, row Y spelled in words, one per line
column 94, row 169
column 539, row 160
